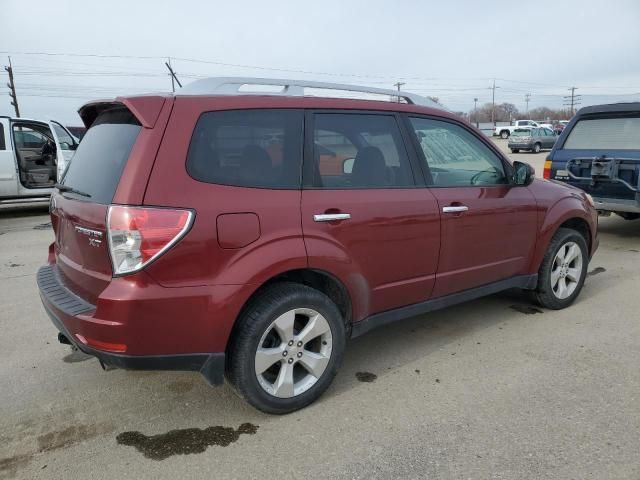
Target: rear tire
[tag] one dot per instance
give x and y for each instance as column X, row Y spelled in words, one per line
column 504, row 134
column 515, row 150
column 563, row 270
column 296, row 336
column 536, row 148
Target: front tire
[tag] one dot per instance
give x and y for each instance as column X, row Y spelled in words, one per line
column 515, row 150
column 286, row 348
column 563, row 270
column 536, row 148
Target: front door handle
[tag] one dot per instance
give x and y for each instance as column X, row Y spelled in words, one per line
column 331, row 217
column 455, row 209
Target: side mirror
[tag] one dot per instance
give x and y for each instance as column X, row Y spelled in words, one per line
column 523, row 174
column 73, row 146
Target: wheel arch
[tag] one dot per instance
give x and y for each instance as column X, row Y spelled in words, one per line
column 580, row 225
column 320, row 280
column 568, row 213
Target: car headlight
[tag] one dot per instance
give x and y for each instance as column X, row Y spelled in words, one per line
column 590, row 200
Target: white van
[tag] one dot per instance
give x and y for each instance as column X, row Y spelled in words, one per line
column 33, row 157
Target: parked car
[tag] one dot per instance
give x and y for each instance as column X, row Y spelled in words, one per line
column 599, row 152
column 33, row 156
column 185, row 241
column 531, row 139
column 545, row 124
column 505, row 131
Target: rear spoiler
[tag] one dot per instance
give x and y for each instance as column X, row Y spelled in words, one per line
column 145, row 108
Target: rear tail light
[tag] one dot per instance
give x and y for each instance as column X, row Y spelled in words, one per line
column 546, row 173
column 139, row 235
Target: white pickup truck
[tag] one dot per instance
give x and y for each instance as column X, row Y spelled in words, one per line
column 506, row 130
column 33, row 157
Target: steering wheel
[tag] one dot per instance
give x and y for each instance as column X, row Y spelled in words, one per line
column 476, row 177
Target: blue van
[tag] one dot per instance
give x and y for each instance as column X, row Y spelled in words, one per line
column 599, row 152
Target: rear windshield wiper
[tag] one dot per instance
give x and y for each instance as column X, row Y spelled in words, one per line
column 67, row 188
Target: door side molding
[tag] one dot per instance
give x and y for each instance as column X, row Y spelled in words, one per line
column 526, row 282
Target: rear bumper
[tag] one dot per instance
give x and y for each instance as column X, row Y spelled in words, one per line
column 616, row 205
column 76, row 320
column 523, row 146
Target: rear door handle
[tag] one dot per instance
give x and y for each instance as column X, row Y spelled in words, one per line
column 331, row 217
column 455, row 209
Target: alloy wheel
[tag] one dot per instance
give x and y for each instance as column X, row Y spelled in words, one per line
column 293, row 353
column 566, row 270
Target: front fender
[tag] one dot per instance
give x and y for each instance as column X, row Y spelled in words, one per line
column 574, row 206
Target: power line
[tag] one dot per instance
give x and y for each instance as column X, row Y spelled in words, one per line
column 261, row 67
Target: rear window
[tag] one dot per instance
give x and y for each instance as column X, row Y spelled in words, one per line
column 521, row 133
column 97, row 165
column 248, row 148
column 605, row 134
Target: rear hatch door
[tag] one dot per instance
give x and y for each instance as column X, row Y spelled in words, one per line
column 79, row 207
column 601, row 155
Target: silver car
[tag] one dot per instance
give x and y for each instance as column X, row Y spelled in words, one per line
column 532, row 139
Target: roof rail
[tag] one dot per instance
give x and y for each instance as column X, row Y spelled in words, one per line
column 232, row 85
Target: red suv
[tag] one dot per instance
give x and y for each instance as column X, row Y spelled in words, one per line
column 248, row 236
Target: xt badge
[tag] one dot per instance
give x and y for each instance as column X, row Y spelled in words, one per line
column 94, row 235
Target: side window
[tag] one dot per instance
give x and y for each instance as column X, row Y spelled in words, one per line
column 25, row 137
column 455, row 157
column 65, row 140
column 359, row 151
column 248, row 148
column 2, row 144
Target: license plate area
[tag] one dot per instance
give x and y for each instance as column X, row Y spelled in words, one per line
column 602, row 168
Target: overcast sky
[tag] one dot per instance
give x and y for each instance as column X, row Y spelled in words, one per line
column 449, row 49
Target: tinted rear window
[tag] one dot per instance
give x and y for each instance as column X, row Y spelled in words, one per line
column 97, row 165
column 248, row 148
column 521, row 133
column 621, row 133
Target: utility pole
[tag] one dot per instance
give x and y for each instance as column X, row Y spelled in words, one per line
column 172, row 74
column 493, row 102
column 398, row 85
column 572, row 100
column 527, row 97
column 475, row 110
column 12, row 87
